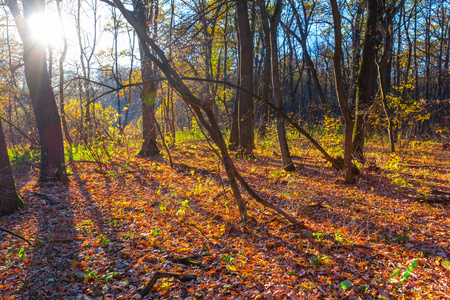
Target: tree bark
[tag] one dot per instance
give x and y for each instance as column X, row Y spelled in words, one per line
column 288, row 165
column 61, row 81
column 340, row 90
column 244, row 104
column 366, row 79
column 303, row 28
column 41, row 93
column 9, row 199
column 265, row 85
column 149, row 88
column 198, row 106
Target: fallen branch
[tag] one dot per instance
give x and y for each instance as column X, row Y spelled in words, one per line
column 220, row 194
column 298, row 224
column 262, row 201
column 443, row 200
column 193, row 225
column 16, row 235
column 159, row 275
column 442, row 193
column 50, row 200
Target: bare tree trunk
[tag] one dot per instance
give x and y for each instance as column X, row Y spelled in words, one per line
column 198, row 106
column 366, row 79
column 446, row 79
column 61, row 80
column 340, row 90
column 48, row 122
column 288, row 165
column 149, row 87
column 384, row 67
column 304, row 28
column 9, row 199
column 265, row 85
column 245, row 102
column 356, row 53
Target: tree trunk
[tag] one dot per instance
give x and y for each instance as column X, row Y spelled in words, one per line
column 265, row 85
column 198, row 106
column 366, row 79
column 384, row 67
column 356, row 53
column 41, row 93
column 288, row 165
column 149, row 88
column 61, row 82
column 9, row 199
column 245, row 101
column 340, row 90
column 304, row 28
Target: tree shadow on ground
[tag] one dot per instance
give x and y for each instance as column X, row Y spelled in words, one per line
column 48, row 269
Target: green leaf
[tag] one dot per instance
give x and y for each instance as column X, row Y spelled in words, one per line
column 150, row 98
column 346, row 284
column 408, row 272
column 363, row 287
column 445, row 264
column 21, row 252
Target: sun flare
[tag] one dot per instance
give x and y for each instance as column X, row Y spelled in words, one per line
column 46, row 28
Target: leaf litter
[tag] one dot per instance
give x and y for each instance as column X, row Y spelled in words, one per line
column 105, row 234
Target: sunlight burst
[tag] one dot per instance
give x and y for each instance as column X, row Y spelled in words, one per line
column 46, row 28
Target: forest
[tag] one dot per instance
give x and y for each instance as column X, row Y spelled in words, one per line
column 225, row 149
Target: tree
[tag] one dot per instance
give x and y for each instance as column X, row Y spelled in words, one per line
column 9, row 199
column 266, row 72
column 367, row 77
column 61, row 80
column 149, row 87
column 41, row 93
column 340, row 91
column 303, row 27
column 288, row 165
column 242, row 133
column 204, row 113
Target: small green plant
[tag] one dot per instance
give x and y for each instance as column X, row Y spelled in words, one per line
column 318, row 260
column 402, row 238
column 108, row 276
column 127, row 235
column 22, row 252
column 346, row 284
column 91, row 275
column 228, row 258
column 318, row 235
column 19, row 157
column 409, row 270
column 104, row 240
column 341, row 237
column 185, row 205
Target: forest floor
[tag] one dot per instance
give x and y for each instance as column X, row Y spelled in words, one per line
column 105, row 234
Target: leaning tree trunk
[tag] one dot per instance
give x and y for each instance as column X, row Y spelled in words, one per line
column 9, row 199
column 41, row 93
column 149, row 88
column 199, row 108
